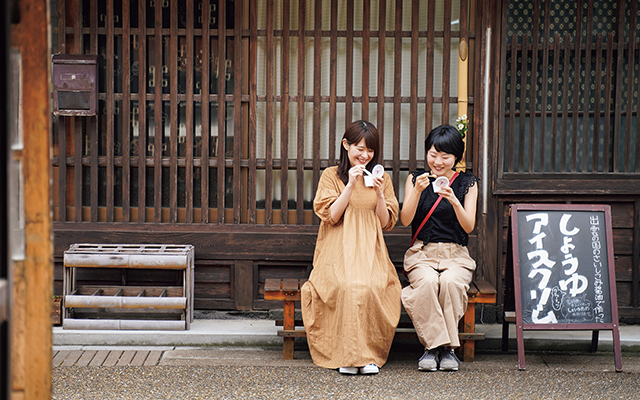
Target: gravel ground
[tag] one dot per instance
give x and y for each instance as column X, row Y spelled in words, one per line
column 255, row 373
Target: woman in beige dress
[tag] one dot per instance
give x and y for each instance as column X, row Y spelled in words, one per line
column 351, row 302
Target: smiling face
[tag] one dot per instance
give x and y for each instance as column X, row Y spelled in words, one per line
column 441, row 163
column 359, row 154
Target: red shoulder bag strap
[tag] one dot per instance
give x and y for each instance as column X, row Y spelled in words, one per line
column 431, row 211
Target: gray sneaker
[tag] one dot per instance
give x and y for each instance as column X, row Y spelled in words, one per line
column 429, row 361
column 449, row 361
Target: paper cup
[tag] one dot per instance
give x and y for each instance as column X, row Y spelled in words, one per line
column 440, row 183
column 368, row 180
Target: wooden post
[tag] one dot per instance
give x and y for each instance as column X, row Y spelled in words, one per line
column 33, row 277
column 288, row 343
column 468, row 351
column 291, row 289
column 463, row 76
column 463, row 80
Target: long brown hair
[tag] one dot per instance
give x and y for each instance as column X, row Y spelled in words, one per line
column 355, row 132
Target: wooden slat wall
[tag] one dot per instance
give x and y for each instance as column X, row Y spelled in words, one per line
column 284, row 134
column 397, row 93
column 629, row 110
column 577, row 64
column 300, row 112
column 317, row 60
column 429, row 63
column 237, row 111
column 205, row 107
column 221, row 103
column 110, row 103
column 92, row 122
column 142, row 113
column 158, row 106
column 190, row 114
column 172, row 147
column 126, row 113
column 382, row 23
column 348, row 85
column 61, row 127
column 413, row 110
column 253, row 66
column 163, row 162
column 77, row 121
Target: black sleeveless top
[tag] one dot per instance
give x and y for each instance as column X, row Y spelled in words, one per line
column 443, row 225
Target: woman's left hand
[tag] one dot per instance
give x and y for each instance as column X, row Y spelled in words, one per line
column 448, row 194
column 378, row 185
column 381, row 202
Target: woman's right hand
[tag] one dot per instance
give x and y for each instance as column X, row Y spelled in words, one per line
column 338, row 206
column 412, row 192
column 422, row 182
column 354, row 173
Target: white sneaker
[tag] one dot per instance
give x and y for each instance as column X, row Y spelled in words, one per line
column 449, row 361
column 369, row 369
column 429, row 360
column 348, row 370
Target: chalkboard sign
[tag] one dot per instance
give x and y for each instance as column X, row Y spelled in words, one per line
column 563, row 269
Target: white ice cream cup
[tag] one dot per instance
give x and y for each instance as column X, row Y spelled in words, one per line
column 368, row 180
column 440, row 183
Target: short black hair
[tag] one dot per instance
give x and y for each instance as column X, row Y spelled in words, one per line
column 447, row 139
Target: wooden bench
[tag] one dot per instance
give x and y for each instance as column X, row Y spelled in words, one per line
column 288, row 290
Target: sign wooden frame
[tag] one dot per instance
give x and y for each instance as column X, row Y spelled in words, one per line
column 514, row 268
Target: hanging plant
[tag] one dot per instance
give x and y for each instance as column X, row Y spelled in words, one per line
column 462, row 124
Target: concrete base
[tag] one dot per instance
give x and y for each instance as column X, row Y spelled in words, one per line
column 262, row 332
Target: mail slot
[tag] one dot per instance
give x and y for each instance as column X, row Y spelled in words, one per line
column 75, row 84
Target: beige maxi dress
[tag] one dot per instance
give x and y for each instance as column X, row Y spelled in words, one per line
column 351, row 302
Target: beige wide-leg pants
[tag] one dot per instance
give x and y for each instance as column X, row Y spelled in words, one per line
column 436, row 299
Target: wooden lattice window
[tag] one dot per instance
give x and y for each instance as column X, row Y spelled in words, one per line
column 571, row 87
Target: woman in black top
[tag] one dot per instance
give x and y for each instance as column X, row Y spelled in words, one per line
column 438, row 264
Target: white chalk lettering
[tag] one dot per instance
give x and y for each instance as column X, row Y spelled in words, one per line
column 543, row 256
column 543, row 221
column 546, row 274
column 549, row 319
column 576, row 284
column 596, row 246
column 563, row 226
column 538, row 240
column 568, row 246
column 573, row 262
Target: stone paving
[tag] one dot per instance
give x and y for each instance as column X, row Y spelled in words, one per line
column 261, row 373
column 243, row 360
